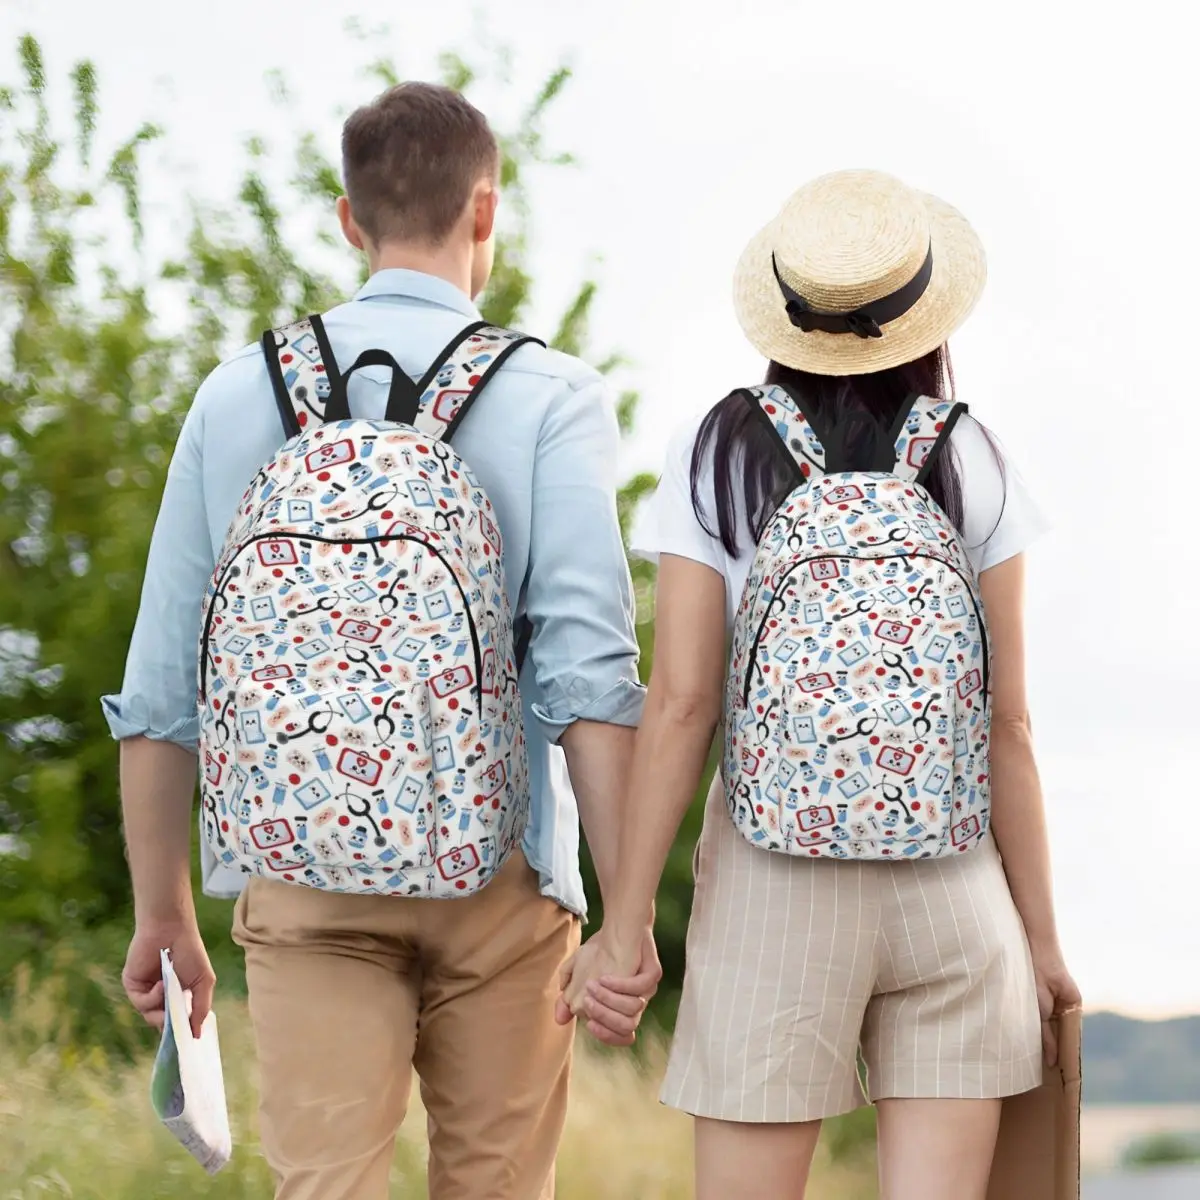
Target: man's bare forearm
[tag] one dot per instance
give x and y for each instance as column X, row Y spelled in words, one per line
column 598, row 759
column 158, row 780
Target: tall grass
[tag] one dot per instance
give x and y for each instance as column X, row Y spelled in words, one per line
column 77, row 1123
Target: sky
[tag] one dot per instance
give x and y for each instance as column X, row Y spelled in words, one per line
column 1060, row 132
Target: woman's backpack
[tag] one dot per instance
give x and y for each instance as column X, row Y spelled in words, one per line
column 856, row 712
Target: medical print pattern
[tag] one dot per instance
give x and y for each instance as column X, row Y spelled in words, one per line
column 857, row 716
column 360, row 722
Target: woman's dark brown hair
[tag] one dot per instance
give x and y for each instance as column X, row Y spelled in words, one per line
column 747, row 459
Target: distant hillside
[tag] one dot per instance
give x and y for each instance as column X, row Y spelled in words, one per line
column 1140, row 1062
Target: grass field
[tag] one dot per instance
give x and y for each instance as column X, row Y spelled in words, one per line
column 74, row 1124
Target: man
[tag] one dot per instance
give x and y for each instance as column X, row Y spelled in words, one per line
column 349, row 992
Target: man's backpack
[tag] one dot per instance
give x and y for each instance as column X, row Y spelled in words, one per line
column 856, row 713
column 360, row 725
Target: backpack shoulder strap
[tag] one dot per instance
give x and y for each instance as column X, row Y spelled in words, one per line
column 922, row 429
column 308, row 387
column 460, row 373
column 793, row 429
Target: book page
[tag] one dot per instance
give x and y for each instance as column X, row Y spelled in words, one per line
column 187, row 1087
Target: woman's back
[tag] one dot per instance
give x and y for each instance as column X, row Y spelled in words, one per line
column 840, row 587
column 1000, row 517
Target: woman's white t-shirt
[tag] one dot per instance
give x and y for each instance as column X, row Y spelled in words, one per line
column 1000, row 518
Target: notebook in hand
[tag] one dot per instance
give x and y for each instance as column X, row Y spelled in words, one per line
column 187, row 1088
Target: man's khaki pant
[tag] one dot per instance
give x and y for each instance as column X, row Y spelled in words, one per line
column 349, row 993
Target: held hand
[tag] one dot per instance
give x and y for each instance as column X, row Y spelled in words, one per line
column 1056, row 992
column 614, row 1005
column 142, row 976
column 610, row 988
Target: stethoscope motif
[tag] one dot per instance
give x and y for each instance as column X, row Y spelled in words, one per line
column 864, row 727
column 916, row 604
column 896, row 663
column 444, row 520
column 216, row 832
column 376, row 502
column 220, row 600
column 763, row 723
column 899, row 533
column 796, row 543
column 221, row 722
column 508, row 681
column 865, row 605
column 778, row 605
column 439, row 463
column 743, row 794
column 363, row 813
column 894, row 794
column 319, row 721
column 388, row 602
column 323, row 605
column 362, row 658
column 385, row 723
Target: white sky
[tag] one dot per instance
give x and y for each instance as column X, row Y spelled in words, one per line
column 1068, row 139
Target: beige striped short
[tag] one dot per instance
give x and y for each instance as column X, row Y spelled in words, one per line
column 794, row 966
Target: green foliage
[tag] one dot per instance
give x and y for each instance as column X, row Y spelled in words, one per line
column 852, row 1137
column 1163, row 1149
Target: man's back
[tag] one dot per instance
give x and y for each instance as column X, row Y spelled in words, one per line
column 464, row 989
column 542, row 439
column 413, row 317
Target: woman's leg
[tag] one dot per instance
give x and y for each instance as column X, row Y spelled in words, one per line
column 936, row 1149
column 780, row 968
column 954, row 1026
column 768, row 1162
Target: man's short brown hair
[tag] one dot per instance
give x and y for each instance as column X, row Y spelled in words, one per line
column 410, row 159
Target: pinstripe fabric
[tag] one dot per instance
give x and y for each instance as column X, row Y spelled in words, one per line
column 793, row 965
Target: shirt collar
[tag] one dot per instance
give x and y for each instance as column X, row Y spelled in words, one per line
column 416, row 285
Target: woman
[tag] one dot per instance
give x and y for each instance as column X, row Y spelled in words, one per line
column 916, row 931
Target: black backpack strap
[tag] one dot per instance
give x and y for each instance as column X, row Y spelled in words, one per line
column 523, row 631
column 310, row 390
column 459, row 374
column 304, row 375
column 794, row 430
column 922, row 429
column 403, row 397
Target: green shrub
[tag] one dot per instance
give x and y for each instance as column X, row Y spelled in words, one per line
column 1162, row 1149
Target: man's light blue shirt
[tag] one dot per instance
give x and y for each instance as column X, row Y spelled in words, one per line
column 543, row 440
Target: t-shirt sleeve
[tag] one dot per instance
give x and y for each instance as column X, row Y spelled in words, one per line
column 1001, row 519
column 666, row 521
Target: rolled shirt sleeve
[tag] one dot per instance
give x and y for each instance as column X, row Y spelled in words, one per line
column 158, row 695
column 579, row 596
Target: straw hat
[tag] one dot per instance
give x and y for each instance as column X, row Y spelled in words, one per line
column 857, row 273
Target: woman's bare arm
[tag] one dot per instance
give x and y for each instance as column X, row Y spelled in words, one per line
column 1018, row 814
column 683, row 708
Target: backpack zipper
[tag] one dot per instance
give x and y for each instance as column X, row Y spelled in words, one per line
column 856, row 558
column 392, row 537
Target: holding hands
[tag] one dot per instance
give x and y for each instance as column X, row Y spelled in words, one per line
column 608, row 985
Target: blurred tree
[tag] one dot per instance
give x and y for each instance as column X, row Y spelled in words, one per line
column 1162, row 1149
column 93, row 385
